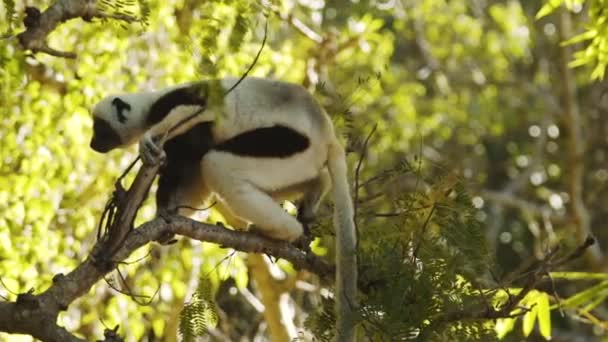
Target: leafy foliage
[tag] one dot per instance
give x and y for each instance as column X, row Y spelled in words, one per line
column 595, row 35
column 9, row 14
column 418, row 267
column 322, row 321
column 224, row 27
column 534, row 308
column 199, row 313
column 470, row 86
column 134, row 8
column 539, row 305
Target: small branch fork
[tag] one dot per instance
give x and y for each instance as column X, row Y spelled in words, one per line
column 36, row 314
column 40, row 24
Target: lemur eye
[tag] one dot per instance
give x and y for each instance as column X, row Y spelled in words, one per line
column 120, row 103
column 120, row 106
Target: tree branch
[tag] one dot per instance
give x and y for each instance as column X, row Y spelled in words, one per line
column 507, row 199
column 530, row 277
column 297, row 24
column 40, row 24
column 36, row 315
column 573, row 121
column 274, row 314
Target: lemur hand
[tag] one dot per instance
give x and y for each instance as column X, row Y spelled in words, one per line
column 150, row 149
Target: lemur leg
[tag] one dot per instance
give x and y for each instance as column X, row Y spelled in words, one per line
column 232, row 220
column 179, row 184
column 313, row 195
column 247, row 202
column 308, row 205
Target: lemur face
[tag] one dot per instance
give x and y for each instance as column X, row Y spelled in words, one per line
column 110, row 118
column 104, row 137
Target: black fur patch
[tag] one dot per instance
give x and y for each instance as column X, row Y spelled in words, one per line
column 195, row 94
column 120, row 106
column 173, row 176
column 182, row 167
column 191, row 145
column 104, row 137
column 269, row 142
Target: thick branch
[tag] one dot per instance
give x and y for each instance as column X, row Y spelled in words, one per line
column 573, row 121
column 247, row 242
column 17, row 318
column 40, row 24
column 36, row 314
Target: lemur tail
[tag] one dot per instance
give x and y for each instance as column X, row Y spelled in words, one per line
column 346, row 258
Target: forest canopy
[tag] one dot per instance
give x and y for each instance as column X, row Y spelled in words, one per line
column 475, row 134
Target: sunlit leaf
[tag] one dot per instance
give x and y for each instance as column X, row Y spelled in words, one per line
column 590, row 34
column 578, row 275
column 586, row 295
column 504, row 326
column 549, row 7
column 544, row 315
column 528, row 320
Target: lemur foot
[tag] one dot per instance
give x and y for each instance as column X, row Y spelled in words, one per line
column 150, row 151
column 303, row 242
column 306, row 218
column 167, row 238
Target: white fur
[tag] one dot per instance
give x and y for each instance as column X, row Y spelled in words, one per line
column 246, row 108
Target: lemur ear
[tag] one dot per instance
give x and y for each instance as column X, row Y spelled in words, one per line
column 120, row 106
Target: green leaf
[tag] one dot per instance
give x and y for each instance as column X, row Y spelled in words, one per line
column 504, row 326
column 598, row 72
column 597, row 301
column 587, row 35
column 585, row 296
column 578, row 62
column 530, row 317
column 578, row 275
column 548, row 8
column 544, row 315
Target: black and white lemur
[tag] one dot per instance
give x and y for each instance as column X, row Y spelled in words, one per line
column 263, row 142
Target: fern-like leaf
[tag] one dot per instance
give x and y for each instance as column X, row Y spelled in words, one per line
column 199, row 313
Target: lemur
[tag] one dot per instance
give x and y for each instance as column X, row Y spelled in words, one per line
column 263, row 142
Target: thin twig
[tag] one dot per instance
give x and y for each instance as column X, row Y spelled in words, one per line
column 358, row 169
column 297, row 24
column 422, row 232
column 39, row 24
column 255, row 60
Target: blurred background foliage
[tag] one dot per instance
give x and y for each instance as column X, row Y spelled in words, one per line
column 489, row 150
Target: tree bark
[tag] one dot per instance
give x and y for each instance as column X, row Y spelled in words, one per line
column 574, row 121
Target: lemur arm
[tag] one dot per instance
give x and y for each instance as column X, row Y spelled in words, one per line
column 179, row 120
column 171, row 114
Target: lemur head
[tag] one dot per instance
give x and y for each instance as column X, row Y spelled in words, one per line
column 118, row 121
